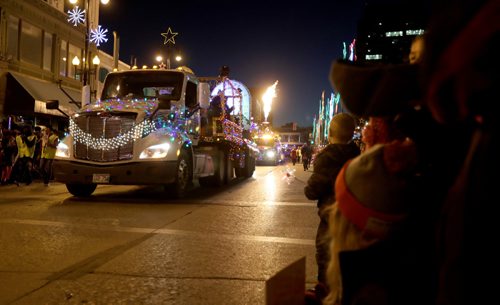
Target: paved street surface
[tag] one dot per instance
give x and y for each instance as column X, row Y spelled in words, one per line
column 134, row 245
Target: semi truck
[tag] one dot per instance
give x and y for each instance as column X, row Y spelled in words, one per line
column 270, row 150
column 152, row 127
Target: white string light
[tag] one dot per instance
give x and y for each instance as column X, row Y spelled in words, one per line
column 136, row 132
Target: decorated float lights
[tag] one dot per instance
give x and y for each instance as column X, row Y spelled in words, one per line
column 136, row 132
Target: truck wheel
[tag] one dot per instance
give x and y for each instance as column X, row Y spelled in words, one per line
column 182, row 177
column 228, row 174
column 249, row 167
column 81, row 190
column 240, row 171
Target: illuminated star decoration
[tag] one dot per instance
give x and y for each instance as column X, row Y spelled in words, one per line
column 288, row 175
column 76, row 16
column 98, row 35
column 169, row 36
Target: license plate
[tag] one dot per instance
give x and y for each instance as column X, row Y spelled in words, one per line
column 100, row 178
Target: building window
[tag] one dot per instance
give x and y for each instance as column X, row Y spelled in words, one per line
column 102, row 74
column 47, row 51
column 373, row 56
column 63, row 61
column 13, row 37
column 31, row 44
column 415, row 32
column 72, row 52
column 394, row 33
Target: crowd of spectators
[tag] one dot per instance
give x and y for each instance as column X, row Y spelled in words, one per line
column 26, row 153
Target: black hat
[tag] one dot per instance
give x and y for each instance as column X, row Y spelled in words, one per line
column 368, row 89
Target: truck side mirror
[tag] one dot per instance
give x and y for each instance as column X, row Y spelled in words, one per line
column 204, row 95
column 52, row 104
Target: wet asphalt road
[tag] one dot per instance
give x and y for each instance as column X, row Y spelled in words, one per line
column 134, row 245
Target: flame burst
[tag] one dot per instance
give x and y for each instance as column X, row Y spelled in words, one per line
column 268, row 99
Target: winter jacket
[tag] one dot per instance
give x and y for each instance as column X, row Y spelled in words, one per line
column 327, row 165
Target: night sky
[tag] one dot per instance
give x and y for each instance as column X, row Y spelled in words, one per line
column 261, row 42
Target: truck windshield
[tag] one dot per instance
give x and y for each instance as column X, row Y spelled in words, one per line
column 143, row 84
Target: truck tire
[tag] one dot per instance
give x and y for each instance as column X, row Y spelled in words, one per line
column 81, row 190
column 183, row 176
column 240, row 171
column 229, row 169
column 219, row 171
column 249, row 167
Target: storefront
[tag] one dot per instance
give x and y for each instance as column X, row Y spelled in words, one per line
column 24, row 99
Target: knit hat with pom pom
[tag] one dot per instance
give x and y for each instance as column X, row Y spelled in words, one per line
column 375, row 190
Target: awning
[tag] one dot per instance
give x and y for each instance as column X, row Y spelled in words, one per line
column 38, row 93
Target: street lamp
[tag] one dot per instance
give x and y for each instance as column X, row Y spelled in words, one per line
column 86, row 70
column 162, row 65
column 159, row 59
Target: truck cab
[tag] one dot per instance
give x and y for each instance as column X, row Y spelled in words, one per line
column 270, row 150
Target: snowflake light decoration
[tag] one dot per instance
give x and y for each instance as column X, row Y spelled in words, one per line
column 98, row 35
column 76, row 16
column 288, row 175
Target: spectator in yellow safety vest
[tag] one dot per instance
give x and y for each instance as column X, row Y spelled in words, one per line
column 26, row 150
column 50, row 142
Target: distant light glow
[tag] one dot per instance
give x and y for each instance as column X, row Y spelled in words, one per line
column 393, row 34
column 415, row 32
column 373, row 56
column 268, row 97
column 352, row 50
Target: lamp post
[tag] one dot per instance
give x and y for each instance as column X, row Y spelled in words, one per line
column 96, row 62
column 86, row 69
column 169, row 36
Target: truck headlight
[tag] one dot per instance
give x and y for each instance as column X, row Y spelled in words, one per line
column 62, row 150
column 155, row 151
column 270, row 154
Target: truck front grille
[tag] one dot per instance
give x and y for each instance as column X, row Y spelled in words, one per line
column 107, row 127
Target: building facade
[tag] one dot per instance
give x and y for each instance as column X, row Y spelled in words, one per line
column 37, row 45
column 385, row 31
